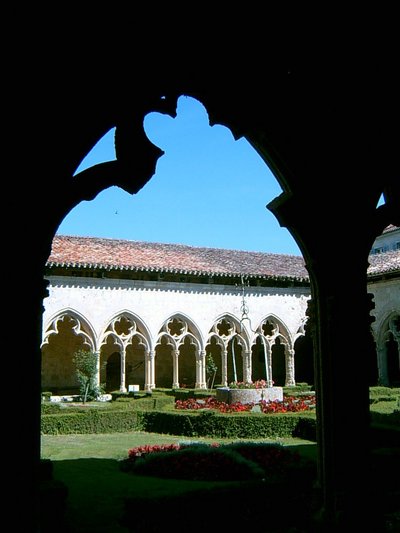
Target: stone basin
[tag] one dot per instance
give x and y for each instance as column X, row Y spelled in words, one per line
column 269, row 394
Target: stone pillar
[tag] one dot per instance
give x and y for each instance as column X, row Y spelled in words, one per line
column 289, row 360
column 201, row 378
column 246, row 366
column 224, row 356
column 98, row 377
column 342, row 473
column 122, row 386
column 341, row 315
column 175, row 369
column 149, row 370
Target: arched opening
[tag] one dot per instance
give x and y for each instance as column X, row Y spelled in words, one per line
column 179, row 337
column 259, row 355
column 135, row 367
column 305, row 158
column 187, row 363
column 214, row 351
column 205, row 181
column 235, row 360
column 66, row 335
column 128, row 334
column 110, row 364
column 304, row 359
column 278, row 363
column 113, row 372
column 164, row 363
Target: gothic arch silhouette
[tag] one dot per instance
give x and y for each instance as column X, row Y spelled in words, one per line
column 332, row 158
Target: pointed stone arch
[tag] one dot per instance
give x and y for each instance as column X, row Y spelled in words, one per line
column 272, row 352
column 272, row 327
column 67, row 332
column 124, row 351
column 180, row 354
column 178, row 324
column 264, row 113
column 133, row 326
column 232, row 342
column 226, row 326
column 82, row 327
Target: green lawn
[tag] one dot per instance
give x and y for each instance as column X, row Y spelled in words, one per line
column 116, row 445
column 89, row 467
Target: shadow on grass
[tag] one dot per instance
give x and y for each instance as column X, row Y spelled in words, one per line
column 97, row 492
column 101, row 498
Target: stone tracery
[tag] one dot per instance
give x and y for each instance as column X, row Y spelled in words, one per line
column 133, row 346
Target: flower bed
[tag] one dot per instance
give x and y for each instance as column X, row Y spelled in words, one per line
column 288, row 404
column 239, row 460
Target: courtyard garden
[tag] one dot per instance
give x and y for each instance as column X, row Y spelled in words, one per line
column 113, row 463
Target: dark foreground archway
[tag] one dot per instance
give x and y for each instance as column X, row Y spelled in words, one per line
column 331, row 155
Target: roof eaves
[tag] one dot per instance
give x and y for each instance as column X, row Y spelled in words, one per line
column 104, row 266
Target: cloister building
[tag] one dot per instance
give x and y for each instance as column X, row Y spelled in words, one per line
column 155, row 313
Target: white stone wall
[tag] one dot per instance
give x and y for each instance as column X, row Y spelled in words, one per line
column 98, row 301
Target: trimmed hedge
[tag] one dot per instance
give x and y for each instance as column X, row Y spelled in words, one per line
column 91, row 421
column 237, row 425
column 198, row 424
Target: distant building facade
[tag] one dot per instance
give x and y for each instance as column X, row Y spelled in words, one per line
column 384, row 284
column 156, row 313
column 388, row 241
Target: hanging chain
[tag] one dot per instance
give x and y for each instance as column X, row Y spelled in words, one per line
column 244, row 308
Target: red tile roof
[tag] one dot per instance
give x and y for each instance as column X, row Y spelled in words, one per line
column 384, row 263
column 116, row 254
column 94, row 252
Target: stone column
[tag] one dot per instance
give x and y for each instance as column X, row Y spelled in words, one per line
column 224, row 356
column 342, row 472
column 247, row 366
column 341, row 313
column 269, row 359
column 201, row 379
column 122, row 386
column 149, row 370
column 289, row 360
column 175, row 369
column 98, row 377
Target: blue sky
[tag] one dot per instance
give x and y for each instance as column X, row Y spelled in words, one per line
column 208, row 190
